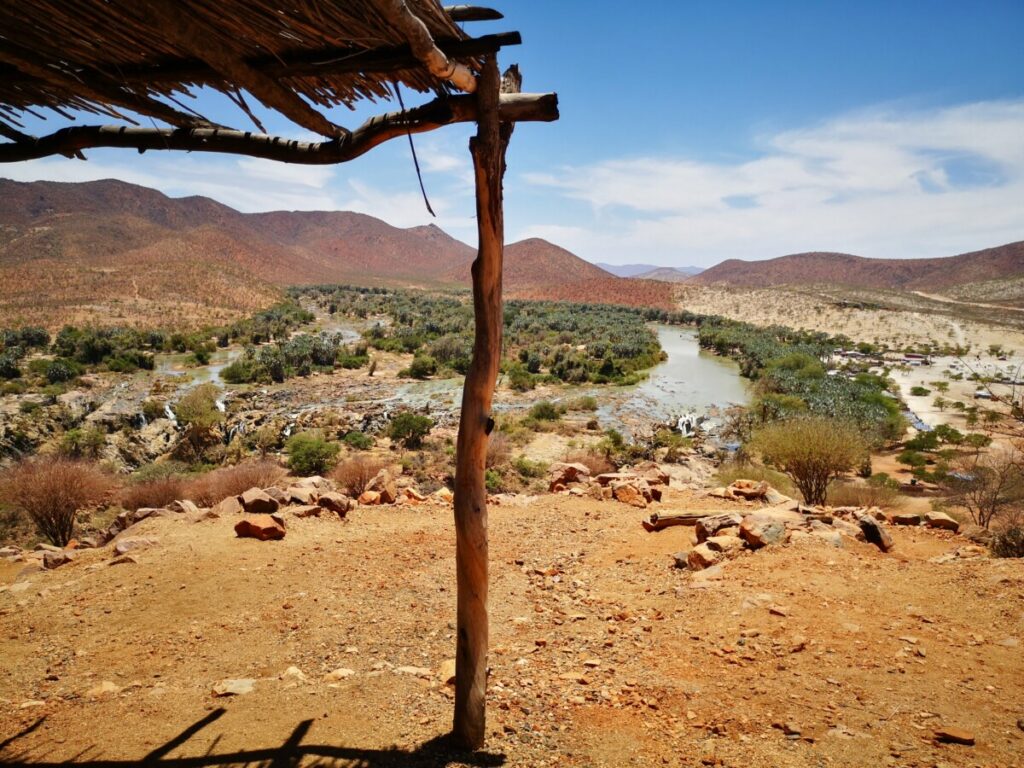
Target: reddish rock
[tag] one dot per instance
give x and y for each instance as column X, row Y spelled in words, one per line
column 369, row 498
column 708, row 526
column 702, row 556
column 874, row 533
column 954, row 736
column 905, row 518
column 228, row 507
column 338, row 503
column 262, row 527
column 258, row 502
column 301, row 494
column 304, row 510
column 563, row 474
column 628, row 493
column 762, row 530
column 384, row 485
column 941, row 520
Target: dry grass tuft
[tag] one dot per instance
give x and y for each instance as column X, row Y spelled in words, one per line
column 354, row 474
column 597, row 463
column 158, row 492
column 215, row 486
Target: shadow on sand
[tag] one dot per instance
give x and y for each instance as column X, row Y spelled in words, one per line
column 436, row 753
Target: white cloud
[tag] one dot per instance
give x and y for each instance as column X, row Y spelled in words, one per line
column 881, row 182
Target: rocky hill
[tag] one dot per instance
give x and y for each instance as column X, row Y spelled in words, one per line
column 111, row 251
column 845, row 269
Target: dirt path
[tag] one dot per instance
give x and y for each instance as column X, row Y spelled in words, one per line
column 602, row 653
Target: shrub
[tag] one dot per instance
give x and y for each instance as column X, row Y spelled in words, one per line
column 59, row 370
column 596, row 462
column 355, row 474
column 544, row 411
column 493, row 480
column 410, row 428
column 158, row 492
column 867, row 495
column 584, row 403
column 422, row 367
column 1008, row 543
column 358, row 440
column 812, row 451
column 912, row 459
column 198, row 412
column 529, row 469
column 499, row 450
column 83, row 442
column 989, row 485
column 52, row 492
column 153, row 409
column 9, row 366
column 213, row 487
column 310, row 454
column 920, row 391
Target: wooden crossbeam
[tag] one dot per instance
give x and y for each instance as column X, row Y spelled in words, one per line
column 472, row 13
column 517, row 107
column 423, row 47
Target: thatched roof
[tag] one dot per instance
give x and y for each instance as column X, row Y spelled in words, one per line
column 295, row 56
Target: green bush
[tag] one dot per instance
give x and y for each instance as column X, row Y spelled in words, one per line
column 422, row 367
column 912, row 458
column 83, row 442
column 409, row 429
column 310, row 454
column 61, row 370
column 9, row 366
column 545, row 411
column 358, row 440
column 493, row 480
column 529, row 469
column 920, row 391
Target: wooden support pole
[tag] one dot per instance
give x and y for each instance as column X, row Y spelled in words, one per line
column 488, row 150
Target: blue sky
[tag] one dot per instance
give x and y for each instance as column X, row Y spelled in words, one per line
column 692, row 132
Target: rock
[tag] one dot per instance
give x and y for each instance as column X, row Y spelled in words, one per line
column 238, row 687
column 609, row 478
column 301, row 494
column 760, row 531
column 774, row 497
column 651, row 472
column 182, row 507
column 43, row 547
column 339, row 674
column 702, row 556
column 369, row 498
column 712, row 524
column 293, row 674
column 941, row 520
column 277, row 495
column 875, row 533
column 10, row 553
column 384, row 485
column 91, row 542
column 258, row 502
column 562, row 474
column 53, row 560
column 103, row 690
column 228, row 507
column 262, row 527
column 628, row 493
column 304, row 510
column 446, row 674
column 444, row 495
column 977, row 534
column 724, row 544
column 335, row 502
column 905, row 518
column 413, row 495
column 749, row 490
column 134, row 544
column 679, row 560
column 417, row 671
column 316, row 482
column 954, row 736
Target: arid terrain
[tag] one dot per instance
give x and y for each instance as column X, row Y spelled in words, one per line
column 603, row 653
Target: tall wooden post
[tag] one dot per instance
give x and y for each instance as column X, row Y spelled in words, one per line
column 488, row 150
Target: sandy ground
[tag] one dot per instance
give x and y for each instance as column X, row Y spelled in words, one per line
column 807, row 309
column 602, row 653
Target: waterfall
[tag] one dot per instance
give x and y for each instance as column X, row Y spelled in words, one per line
column 170, row 414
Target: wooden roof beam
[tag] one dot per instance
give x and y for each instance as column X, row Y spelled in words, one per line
column 472, row 13
column 514, row 107
column 423, row 47
column 193, row 35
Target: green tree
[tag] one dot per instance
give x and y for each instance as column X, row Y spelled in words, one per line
column 197, row 411
column 410, row 428
column 310, row 454
column 813, row 451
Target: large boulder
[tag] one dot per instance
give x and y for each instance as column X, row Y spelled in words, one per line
column 227, row 507
column 301, row 494
column 905, row 518
column 762, row 530
column 183, row 507
column 708, row 526
column 335, row 502
column 749, row 489
column 262, row 527
column 561, row 474
column 383, row 483
column 874, row 533
column 941, row 520
column 256, row 501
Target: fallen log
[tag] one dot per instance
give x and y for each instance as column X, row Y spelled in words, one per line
column 658, row 521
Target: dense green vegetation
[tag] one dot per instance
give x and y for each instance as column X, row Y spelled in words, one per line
column 793, row 378
column 544, row 341
column 74, row 351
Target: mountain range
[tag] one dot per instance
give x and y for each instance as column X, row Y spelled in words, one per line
column 93, row 251
column 651, row 271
